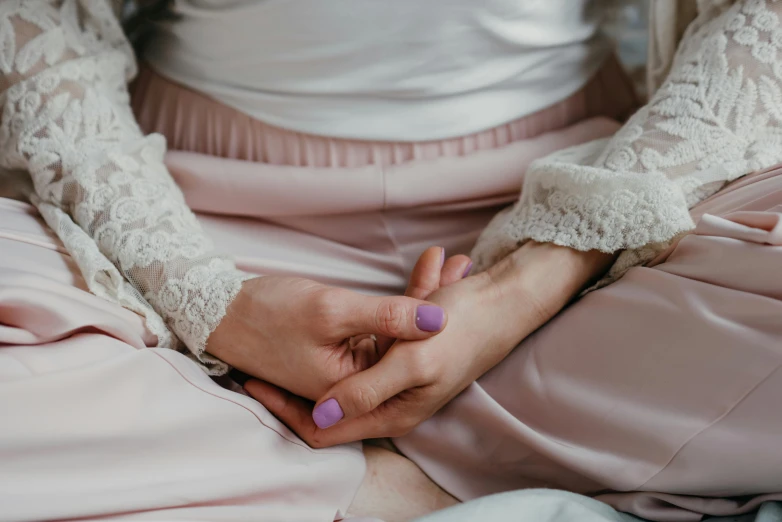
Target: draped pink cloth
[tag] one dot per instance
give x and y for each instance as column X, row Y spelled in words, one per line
column 97, row 423
column 656, row 393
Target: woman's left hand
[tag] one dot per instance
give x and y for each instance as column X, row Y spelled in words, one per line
column 488, row 315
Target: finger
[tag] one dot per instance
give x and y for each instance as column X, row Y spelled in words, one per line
column 363, row 392
column 292, row 410
column 384, row 421
column 397, row 317
column 425, row 277
column 366, row 351
column 383, row 344
column 296, row 413
column 455, row 269
column 424, row 280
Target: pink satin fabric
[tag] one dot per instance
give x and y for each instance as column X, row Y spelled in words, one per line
column 655, row 393
column 193, row 122
column 356, row 213
column 90, row 411
column 363, row 227
column 95, row 423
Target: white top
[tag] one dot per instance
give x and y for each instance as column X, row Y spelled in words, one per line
column 398, row 70
column 103, row 188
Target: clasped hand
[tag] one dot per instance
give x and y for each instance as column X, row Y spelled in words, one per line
column 415, row 377
column 489, row 314
column 305, row 337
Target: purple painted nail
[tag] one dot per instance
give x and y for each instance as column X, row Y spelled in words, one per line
column 429, row 318
column 442, row 257
column 327, row 414
column 467, row 270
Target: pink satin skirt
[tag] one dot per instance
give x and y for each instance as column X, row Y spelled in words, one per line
column 656, row 394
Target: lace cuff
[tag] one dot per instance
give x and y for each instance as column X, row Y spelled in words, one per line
column 196, row 303
column 99, row 183
column 567, row 202
column 717, row 116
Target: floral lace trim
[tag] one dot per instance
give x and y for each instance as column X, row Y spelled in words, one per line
column 196, row 303
column 585, row 208
column 99, row 183
column 718, row 116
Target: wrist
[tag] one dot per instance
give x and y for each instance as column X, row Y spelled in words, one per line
column 230, row 339
column 536, row 281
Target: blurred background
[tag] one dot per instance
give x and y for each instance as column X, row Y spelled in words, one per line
column 629, row 27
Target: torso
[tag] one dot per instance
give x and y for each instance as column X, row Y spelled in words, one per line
column 407, row 70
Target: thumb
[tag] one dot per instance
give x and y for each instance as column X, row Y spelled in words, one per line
column 398, row 317
column 425, row 277
column 362, row 392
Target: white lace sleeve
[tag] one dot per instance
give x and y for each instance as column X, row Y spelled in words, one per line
column 98, row 182
column 717, row 117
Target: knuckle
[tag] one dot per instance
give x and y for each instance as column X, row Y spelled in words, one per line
column 319, row 301
column 323, row 309
column 391, row 317
column 365, row 400
column 423, row 365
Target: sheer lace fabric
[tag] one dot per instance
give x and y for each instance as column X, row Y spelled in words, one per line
column 98, row 182
column 718, row 116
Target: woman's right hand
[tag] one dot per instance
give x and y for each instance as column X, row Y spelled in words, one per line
column 300, row 335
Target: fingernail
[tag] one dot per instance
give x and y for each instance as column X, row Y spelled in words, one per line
column 467, row 270
column 327, row 414
column 442, row 257
column 429, row 318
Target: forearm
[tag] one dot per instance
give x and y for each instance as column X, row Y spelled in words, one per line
column 716, row 117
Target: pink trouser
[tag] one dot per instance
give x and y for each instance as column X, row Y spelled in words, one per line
column 94, row 423
column 654, row 393
column 356, row 213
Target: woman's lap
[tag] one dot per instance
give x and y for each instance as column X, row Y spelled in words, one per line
column 90, row 412
column 637, row 386
column 665, row 381
column 143, row 429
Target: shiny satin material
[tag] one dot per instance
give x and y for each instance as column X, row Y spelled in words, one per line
column 661, row 387
column 361, row 228
column 193, row 122
column 94, row 422
column 89, row 410
column 654, row 394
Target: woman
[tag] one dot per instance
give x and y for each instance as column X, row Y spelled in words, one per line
column 333, row 142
